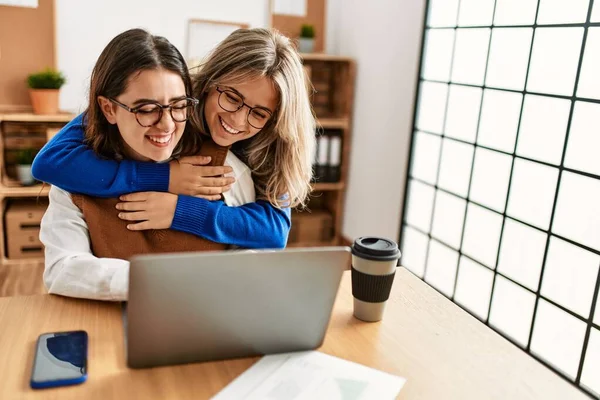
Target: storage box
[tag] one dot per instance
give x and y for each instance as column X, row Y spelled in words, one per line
column 22, row 229
column 311, row 227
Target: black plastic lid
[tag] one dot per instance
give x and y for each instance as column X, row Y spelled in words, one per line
column 375, row 248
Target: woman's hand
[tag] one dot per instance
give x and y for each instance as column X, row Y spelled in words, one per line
column 191, row 176
column 155, row 210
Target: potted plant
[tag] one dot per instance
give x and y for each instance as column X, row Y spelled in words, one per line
column 306, row 42
column 24, row 160
column 43, row 90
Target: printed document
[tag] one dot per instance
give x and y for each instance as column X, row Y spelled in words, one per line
column 311, row 375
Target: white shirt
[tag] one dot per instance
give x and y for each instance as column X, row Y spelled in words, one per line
column 71, row 269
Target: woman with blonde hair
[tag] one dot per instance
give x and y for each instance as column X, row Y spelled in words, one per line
column 253, row 98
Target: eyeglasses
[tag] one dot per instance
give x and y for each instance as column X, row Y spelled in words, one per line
column 231, row 101
column 150, row 114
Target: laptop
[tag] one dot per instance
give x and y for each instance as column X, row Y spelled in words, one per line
column 193, row 307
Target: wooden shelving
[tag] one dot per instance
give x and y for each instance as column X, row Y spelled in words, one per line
column 332, row 78
column 28, row 117
column 325, row 187
column 29, row 263
column 25, row 191
column 334, row 123
column 325, row 57
column 19, row 131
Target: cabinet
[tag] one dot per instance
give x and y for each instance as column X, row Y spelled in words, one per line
column 333, row 80
column 23, row 206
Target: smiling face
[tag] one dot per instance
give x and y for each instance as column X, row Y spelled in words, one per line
column 226, row 127
column 157, row 142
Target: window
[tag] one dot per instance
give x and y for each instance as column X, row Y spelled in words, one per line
column 502, row 213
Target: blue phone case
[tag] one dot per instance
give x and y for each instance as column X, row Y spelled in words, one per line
column 57, row 383
column 79, row 362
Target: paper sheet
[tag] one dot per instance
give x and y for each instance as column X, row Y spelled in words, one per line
column 20, row 3
column 290, row 7
column 311, row 375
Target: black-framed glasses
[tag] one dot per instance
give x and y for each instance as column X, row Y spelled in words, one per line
column 150, row 114
column 231, row 101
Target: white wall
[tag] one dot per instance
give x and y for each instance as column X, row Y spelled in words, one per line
column 332, row 22
column 384, row 37
column 85, row 27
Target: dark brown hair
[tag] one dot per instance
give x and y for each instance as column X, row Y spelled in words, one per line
column 130, row 53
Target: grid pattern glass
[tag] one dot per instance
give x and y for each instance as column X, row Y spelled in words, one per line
column 502, row 212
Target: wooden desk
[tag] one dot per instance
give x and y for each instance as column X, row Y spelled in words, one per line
column 442, row 351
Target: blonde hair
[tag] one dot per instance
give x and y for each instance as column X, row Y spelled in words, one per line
column 281, row 154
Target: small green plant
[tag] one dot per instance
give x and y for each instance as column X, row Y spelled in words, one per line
column 26, row 156
column 307, row 31
column 47, row 79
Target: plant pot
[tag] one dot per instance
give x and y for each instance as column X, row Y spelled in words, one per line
column 44, row 101
column 24, row 175
column 306, row 45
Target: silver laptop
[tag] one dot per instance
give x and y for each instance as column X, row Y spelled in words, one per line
column 191, row 307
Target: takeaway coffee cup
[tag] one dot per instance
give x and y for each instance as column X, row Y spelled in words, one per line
column 374, row 261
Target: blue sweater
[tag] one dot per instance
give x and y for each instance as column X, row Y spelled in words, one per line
column 67, row 162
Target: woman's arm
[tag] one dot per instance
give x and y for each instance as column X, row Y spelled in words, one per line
column 239, row 220
column 252, row 225
column 70, row 267
column 67, row 162
column 256, row 225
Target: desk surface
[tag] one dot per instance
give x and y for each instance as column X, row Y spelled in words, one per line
column 441, row 350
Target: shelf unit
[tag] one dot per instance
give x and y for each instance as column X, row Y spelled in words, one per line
column 333, row 79
column 22, row 130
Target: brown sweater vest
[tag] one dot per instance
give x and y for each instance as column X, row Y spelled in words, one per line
column 110, row 237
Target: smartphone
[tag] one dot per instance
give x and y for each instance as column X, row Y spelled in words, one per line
column 60, row 359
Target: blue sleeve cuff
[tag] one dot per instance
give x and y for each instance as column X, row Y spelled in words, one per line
column 253, row 225
column 152, row 177
column 190, row 215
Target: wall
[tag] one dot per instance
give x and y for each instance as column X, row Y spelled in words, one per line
column 332, row 19
column 84, row 28
column 384, row 37
column 26, row 46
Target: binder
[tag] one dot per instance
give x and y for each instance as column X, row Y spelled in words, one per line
column 322, row 158
column 335, row 158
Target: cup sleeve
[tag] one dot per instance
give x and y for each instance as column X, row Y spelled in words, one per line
column 371, row 288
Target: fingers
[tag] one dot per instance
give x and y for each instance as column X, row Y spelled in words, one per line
column 225, row 188
column 216, row 182
column 132, row 206
column 139, row 196
column 213, row 171
column 195, row 160
column 140, row 226
column 206, row 190
column 134, row 216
